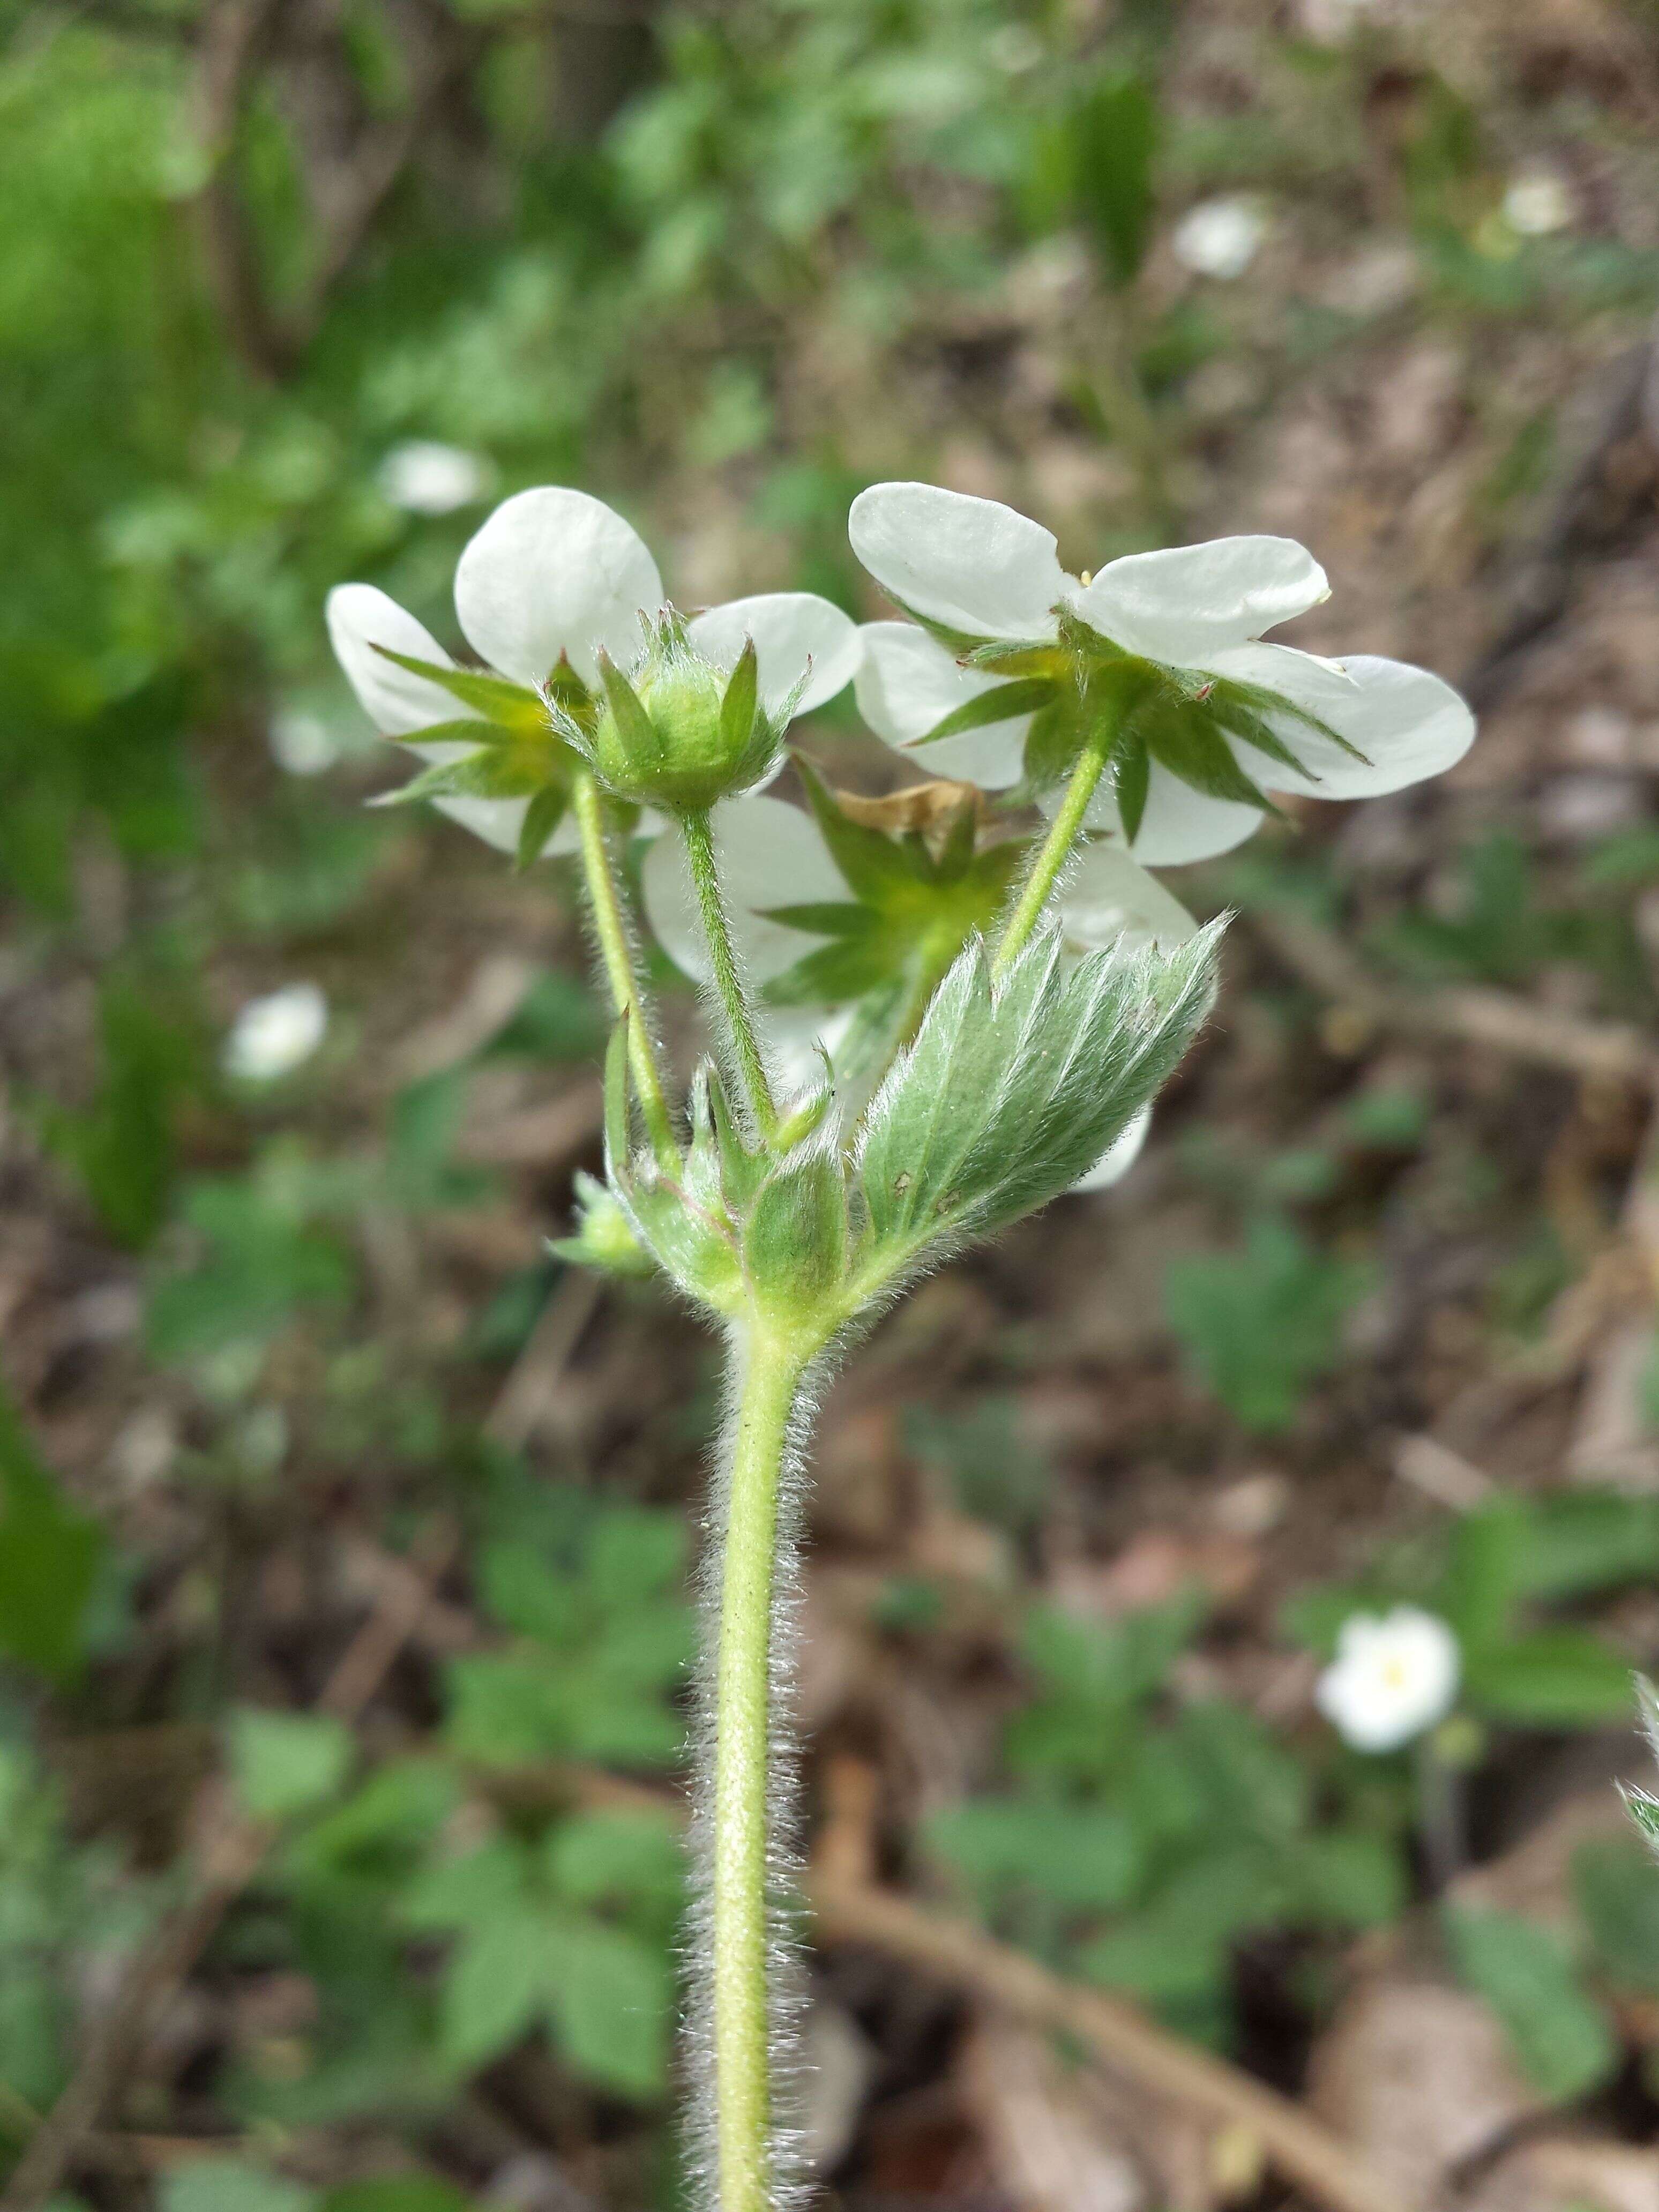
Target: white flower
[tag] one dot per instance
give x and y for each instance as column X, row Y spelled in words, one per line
column 1394, row 1675
column 302, row 743
column 1221, row 237
column 1537, row 202
column 273, row 1036
column 771, row 855
column 1184, row 624
column 424, row 477
column 554, row 575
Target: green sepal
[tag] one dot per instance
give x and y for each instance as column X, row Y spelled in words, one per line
column 821, row 917
column 618, row 1120
column 1022, row 695
column 794, row 1240
column 541, row 819
column 471, row 732
column 739, row 705
column 493, row 772
column 695, row 1247
column 872, row 864
column 1131, row 778
column 1201, row 756
column 604, row 1236
column 806, row 1117
column 638, row 734
column 513, row 706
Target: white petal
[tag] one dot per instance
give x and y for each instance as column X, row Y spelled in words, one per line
column 360, row 617
column 553, row 571
column 970, row 564
column 1189, row 601
column 1178, row 823
column 792, row 1035
column 769, row 854
column 905, row 685
column 796, row 633
column 1120, row 1156
column 498, row 821
column 1408, row 724
column 1108, row 897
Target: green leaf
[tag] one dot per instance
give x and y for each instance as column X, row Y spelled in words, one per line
column 1617, row 1893
column 1082, row 1857
column 227, row 2184
column 1487, row 1571
column 1115, row 131
column 402, row 2192
column 1558, row 2034
column 1257, row 1326
column 288, row 1763
column 495, row 1987
column 597, row 1858
column 1012, row 1092
column 1552, row 1678
column 509, row 706
column 609, row 2002
column 49, row 1555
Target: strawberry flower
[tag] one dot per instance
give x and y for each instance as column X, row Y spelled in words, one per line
column 553, row 587
column 1015, row 663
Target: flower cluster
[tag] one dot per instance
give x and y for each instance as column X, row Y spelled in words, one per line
column 969, row 992
column 1010, row 682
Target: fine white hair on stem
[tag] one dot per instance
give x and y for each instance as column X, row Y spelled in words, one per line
column 789, row 2177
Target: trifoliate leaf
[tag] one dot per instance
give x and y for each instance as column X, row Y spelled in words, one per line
column 1013, row 1089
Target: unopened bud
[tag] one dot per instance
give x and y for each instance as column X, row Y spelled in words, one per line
column 677, row 732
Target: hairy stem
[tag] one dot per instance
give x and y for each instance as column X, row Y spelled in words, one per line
column 1055, row 849
column 740, row 1803
column 610, row 927
column 728, row 976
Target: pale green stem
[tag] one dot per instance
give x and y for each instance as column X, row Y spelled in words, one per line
column 739, row 1813
column 728, row 976
column 610, row 927
column 1055, row 848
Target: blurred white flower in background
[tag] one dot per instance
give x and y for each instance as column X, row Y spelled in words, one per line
column 425, row 477
column 273, row 1036
column 1221, row 237
column 1537, row 202
column 1394, row 1675
column 301, row 742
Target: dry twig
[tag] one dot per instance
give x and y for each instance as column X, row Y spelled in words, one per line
column 1298, row 2146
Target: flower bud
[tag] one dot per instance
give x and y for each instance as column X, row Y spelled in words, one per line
column 679, row 733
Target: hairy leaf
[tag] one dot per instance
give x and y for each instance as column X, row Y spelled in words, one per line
column 1012, row 1090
